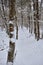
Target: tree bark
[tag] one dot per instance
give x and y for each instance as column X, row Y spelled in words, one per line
column 36, row 18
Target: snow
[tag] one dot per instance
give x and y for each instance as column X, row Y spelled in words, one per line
column 9, row 63
column 12, row 40
column 12, row 32
column 3, row 40
column 29, row 51
column 4, row 46
column 10, row 22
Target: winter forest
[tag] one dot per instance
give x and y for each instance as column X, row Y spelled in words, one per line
column 21, row 32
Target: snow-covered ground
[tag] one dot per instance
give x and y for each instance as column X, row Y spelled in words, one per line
column 4, row 45
column 29, row 51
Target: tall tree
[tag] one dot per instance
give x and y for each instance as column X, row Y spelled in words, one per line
column 21, row 13
column 36, row 18
column 12, row 14
column 29, row 11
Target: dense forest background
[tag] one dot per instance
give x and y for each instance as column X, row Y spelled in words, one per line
column 21, row 32
column 28, row 13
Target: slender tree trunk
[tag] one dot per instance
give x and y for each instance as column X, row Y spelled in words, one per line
column 16, row 32
column 29, row 22
column 31, row 25
column 21, row 19
column 36, row 18
column 21, row 15
column 29, row 11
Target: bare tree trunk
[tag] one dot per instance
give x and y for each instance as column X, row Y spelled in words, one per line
column 16, row 32
column 29, row 19
column 35, row 27
column 21, row 19
column 29, row 22
column 36, row 18
column 11, row 51
column 31, row 25
column 12, row 13
column 21, row 15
